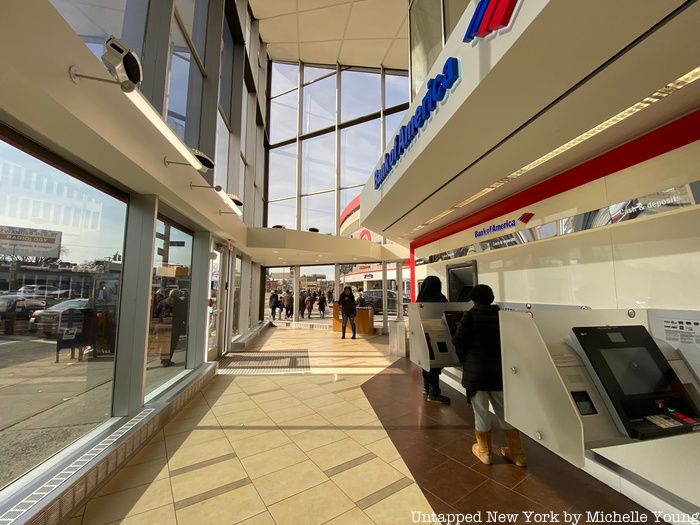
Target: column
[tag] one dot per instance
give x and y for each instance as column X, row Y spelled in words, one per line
column 385, row 300
column 297, row 269
column 199, row 297
column 135, row 305
column 399, row 290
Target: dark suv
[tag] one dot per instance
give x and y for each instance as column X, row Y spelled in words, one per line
column 373, row 298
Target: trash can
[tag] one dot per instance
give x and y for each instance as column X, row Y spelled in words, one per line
column 397, row 338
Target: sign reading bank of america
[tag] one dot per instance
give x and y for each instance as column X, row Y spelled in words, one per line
column 437, row 89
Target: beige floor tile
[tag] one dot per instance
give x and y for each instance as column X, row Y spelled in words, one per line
column 243, row 416
column 185, row 425
column 289, row 481
column 366, row 434
column 304, row 424
column 228, row 508
column 352, row 517
column 312, row 439
column 189, row 439
column 336, row 409
column 334, row 454
column 263, row 518
column 367, row 478
column 207, row 478
column 149, row 452
column 184, row 457
column 273, row 460
column 250, row 429
column 290, row 413
column 362, row 403
column 280, row 393
column 350, row 395
column 384, row 449
column 236, row 406
column 339, row 385
column 311, row 507
column 136, row 475
column 197, row 407
column 227, row 399
column 397, row 508
column 260, row 443
column 117, row 506
column 160, row 516
column 399, row 465
column 273, row 405
column 354, row 419
column 323, row 400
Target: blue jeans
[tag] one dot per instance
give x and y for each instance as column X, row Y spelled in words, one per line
column 351, row 318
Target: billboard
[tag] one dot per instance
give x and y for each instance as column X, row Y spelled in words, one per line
column 28, row 242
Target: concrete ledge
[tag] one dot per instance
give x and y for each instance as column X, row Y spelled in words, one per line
column 244, row 341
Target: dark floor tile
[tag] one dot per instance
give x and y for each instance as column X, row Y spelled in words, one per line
column 491, row 496
column 421, row 458
column 438, row 505
column 501, row 471
column 459, row 449
column 450, row 481
column 553, row 495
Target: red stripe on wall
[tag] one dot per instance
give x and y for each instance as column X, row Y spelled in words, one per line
column 354, row 204
column 657, row 142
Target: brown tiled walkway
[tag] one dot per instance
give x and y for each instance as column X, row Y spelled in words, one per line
column 435, row 443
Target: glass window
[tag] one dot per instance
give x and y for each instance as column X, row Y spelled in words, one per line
column 223, row 136
column 395, row 90
column 60, row 281
column 360, row 94
column 318, row 211
column 319, row 105
column 280, row 281
column 391, row 125
column 193, row 14
column 454, row 9
column 346, row 197
column 359, row 152
column 282, row 213
column 284, row 77
column 167, row 336
column 283, row 117
column 226, row 78
column 184, row 89
column 426, row 39
column 312, row 73
column 282, row 180
column 318, row 163
column 236, row 296
column 94, row 22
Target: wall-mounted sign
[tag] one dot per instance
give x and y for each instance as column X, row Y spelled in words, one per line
column 510, row 223
column 28, row 242
column 489, row 16
column 369, row 276
column 436, row 90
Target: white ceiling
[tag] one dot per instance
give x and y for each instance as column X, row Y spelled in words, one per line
column 369, row 33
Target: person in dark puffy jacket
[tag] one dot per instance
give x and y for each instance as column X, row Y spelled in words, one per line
column 478, row 344
column 348, row 309
column 431, row 292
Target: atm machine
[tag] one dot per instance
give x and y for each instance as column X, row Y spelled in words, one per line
column 609, row 394
column 430, row 326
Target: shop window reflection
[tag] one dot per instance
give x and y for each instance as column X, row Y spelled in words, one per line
column 167, row 337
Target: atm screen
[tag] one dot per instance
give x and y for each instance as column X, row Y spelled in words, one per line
column 452, row 317
column 635, row 370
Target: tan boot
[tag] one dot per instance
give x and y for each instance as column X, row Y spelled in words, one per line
column 514, row 451
column 482, row 448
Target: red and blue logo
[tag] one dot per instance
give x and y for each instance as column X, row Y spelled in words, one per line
column 525, row 217
column 489, row 16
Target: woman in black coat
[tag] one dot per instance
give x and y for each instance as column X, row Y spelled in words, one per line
column 431, row 292
column 348, row 310
column 478, row 344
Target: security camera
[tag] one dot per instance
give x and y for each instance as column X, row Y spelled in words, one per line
column 203, row 158
column 122, row 63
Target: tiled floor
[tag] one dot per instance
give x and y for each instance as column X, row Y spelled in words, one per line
column 339, row 445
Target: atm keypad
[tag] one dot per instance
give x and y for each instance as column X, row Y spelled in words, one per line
column 663, row 421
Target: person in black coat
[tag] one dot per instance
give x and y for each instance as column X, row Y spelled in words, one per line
column 478, row 344
column 272, row 303
column 348, row 309
column 431, row 292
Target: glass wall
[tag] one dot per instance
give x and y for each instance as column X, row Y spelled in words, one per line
column 167, row 337
column 236, row 291
column 280, row 281
column 340, row 141
column 61, row 248
column 94, row 22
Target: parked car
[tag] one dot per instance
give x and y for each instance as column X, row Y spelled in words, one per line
column 36, row 289
column 373, row 298
column 21, row 305
column 49, row 320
